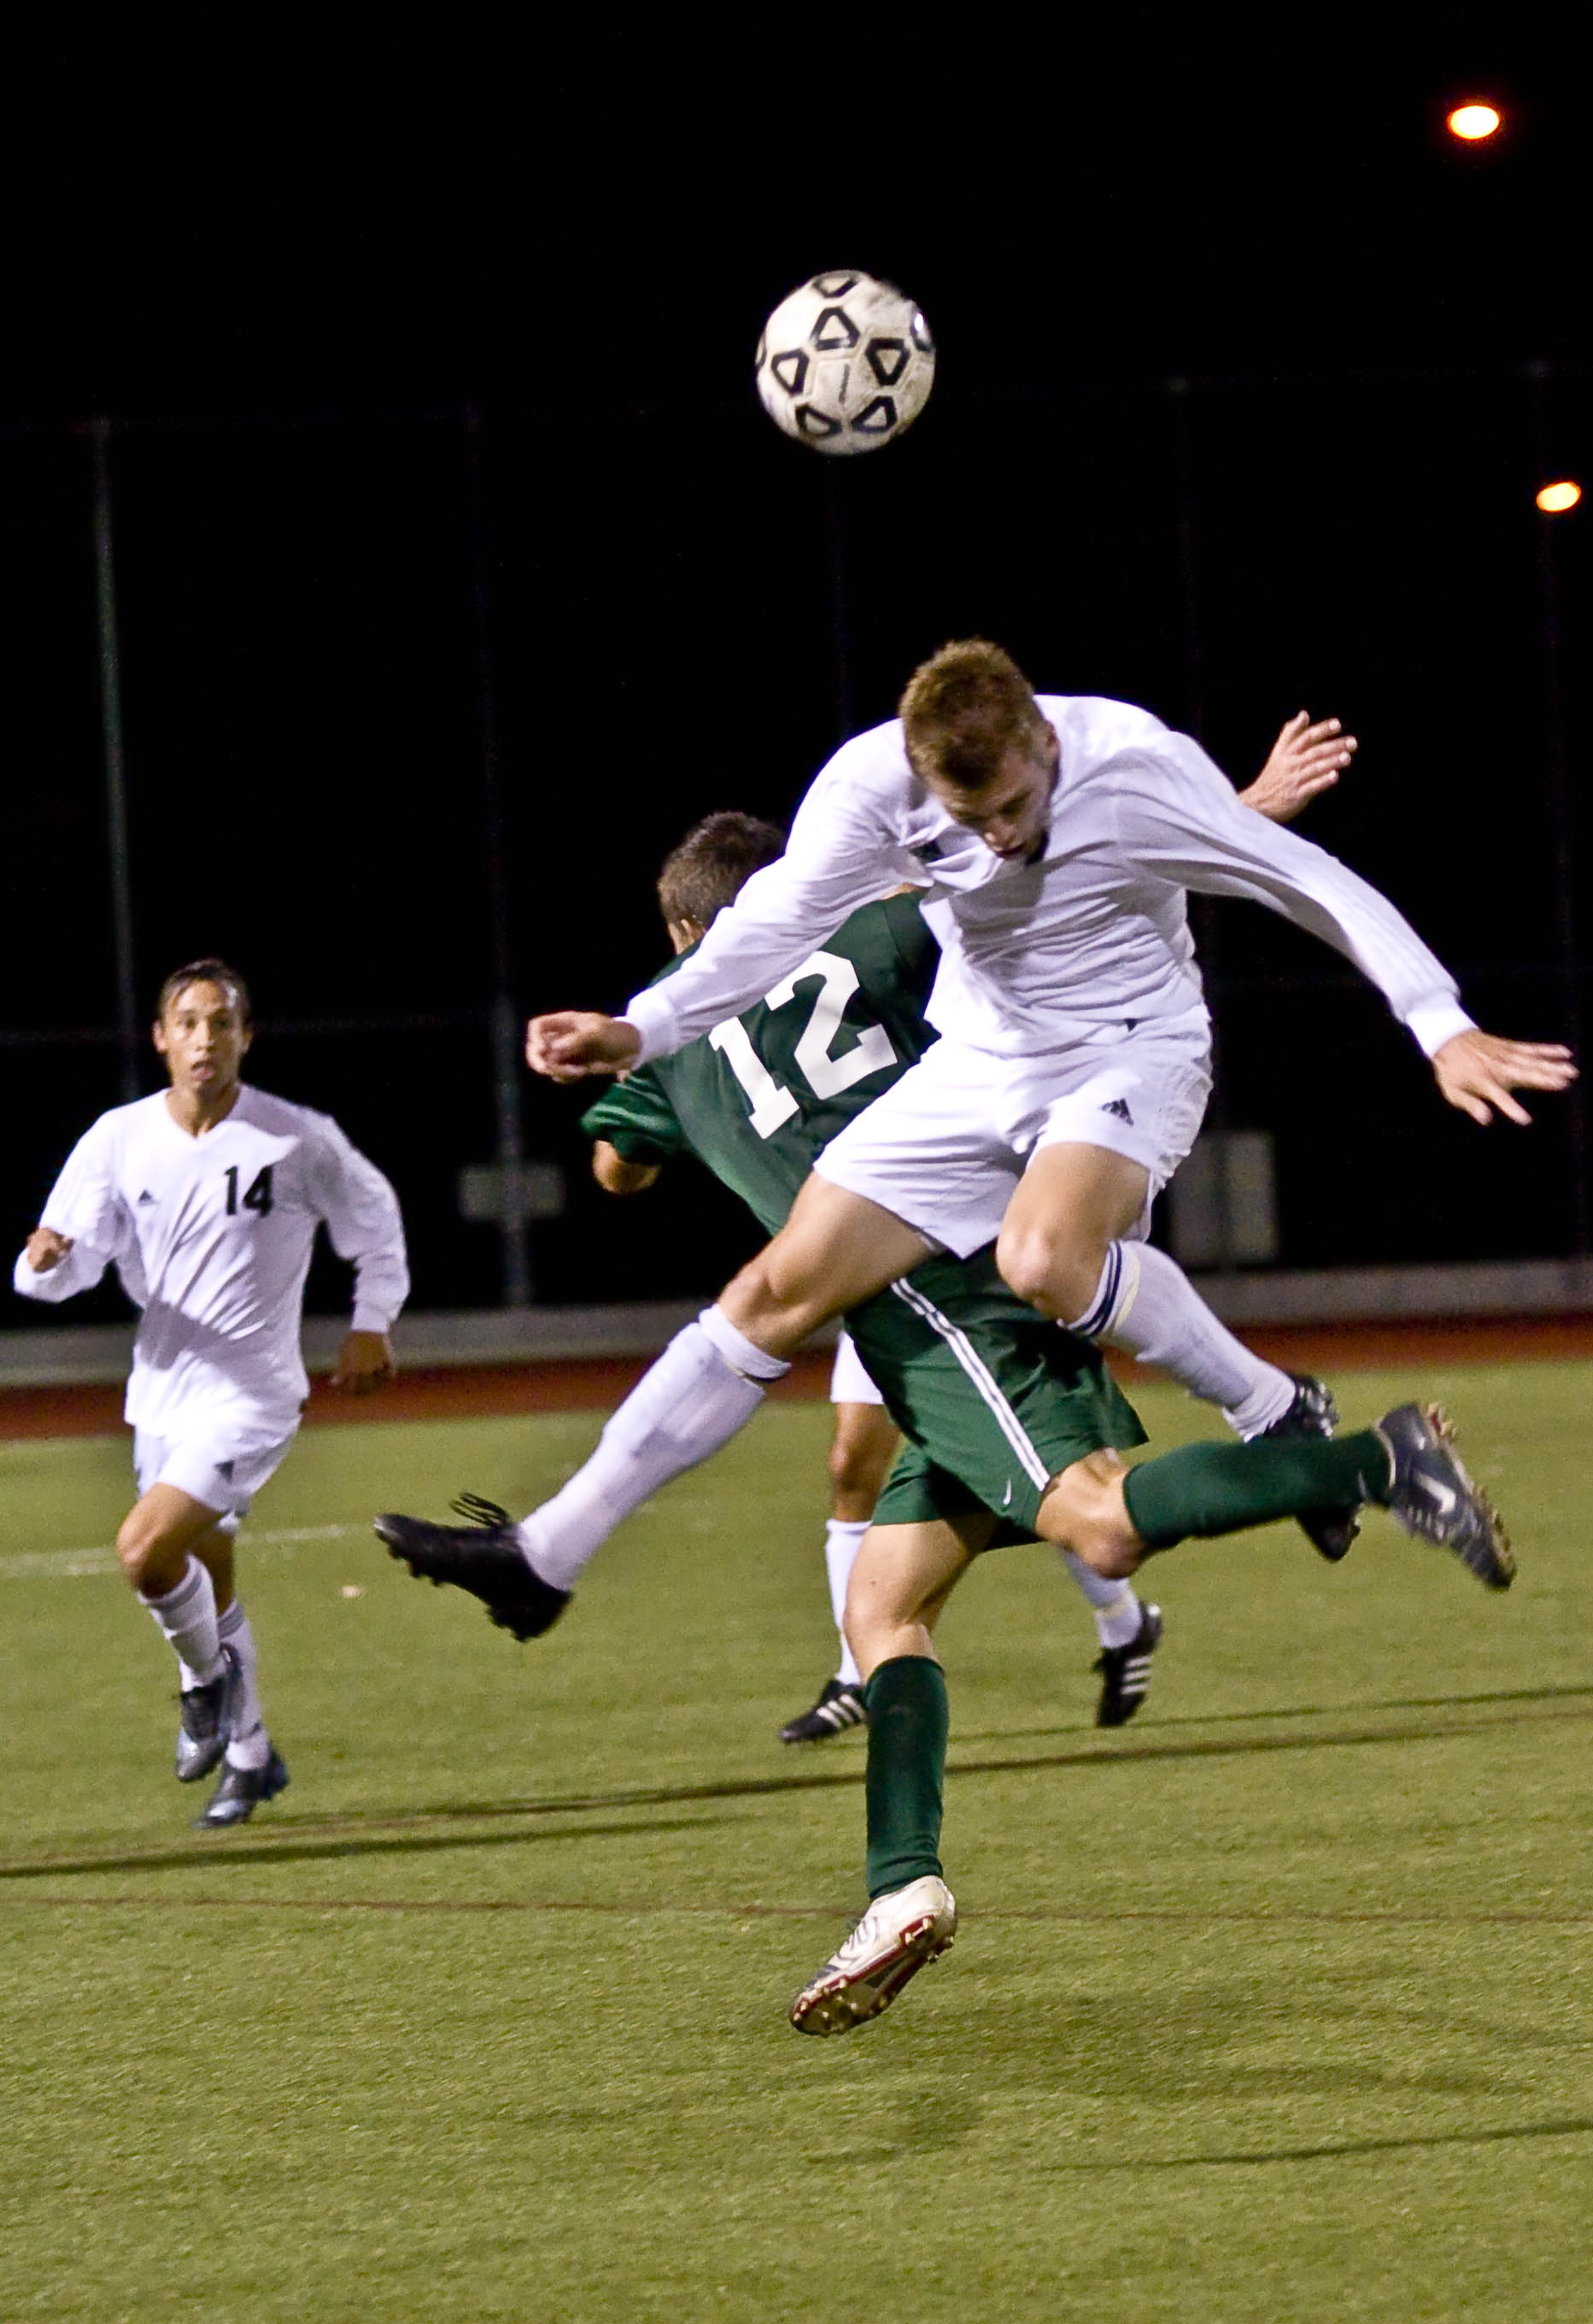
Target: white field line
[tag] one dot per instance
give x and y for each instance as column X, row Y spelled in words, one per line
column 75, row 1565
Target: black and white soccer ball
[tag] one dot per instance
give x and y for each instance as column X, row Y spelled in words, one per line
column 845, row 364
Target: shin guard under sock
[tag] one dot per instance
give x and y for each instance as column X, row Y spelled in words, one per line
column 708, row 1383
column 1117, row 1610
column 908, row 1716
column 1146, row 1304
column 186, row 1619
column 1217, row 1488
column 250, row 1746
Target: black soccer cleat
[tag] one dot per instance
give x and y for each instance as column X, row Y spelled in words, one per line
column 483, row 1557
column 1124, row 1671
column 240, row 1792
column 1434, row 1498
column 1313, row 1413
column 839, row 1706
column 204, row 1716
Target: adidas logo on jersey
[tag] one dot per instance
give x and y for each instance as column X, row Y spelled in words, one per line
column 145, row 1197
column 1119, row 1107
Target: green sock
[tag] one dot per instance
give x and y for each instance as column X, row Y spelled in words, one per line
column 908, row 1719
column 1213, row 1488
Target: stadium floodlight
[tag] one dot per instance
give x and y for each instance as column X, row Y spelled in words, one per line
column 1556, row 498
column 1473, row 121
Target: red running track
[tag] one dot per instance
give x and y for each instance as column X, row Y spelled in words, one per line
column 443, row 1392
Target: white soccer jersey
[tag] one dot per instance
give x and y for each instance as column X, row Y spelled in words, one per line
column 1037, row 956
column 212, row 1238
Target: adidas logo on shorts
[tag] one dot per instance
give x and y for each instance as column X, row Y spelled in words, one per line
column 1119, row 1107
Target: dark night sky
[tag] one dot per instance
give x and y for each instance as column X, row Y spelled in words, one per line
column 289, row 311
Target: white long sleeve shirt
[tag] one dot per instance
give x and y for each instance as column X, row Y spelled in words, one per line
column 1037, row 956
column 212, row 1237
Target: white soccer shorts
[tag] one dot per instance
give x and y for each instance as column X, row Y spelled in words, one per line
column 222, row 1467
column 849, row 1382
column 944, row 1150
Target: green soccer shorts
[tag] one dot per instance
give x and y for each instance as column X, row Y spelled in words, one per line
column 993, row 1399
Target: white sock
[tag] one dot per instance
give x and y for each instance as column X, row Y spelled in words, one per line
column 843, row 1541
column 1116, row 1608
column 186, row 1619
column 1147, row 1304
column 708, row 1382
column 250, row 1745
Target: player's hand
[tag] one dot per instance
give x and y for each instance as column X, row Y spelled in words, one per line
column 615, row 1176
column 1477, row 1071
column 1304, row 761
column 364, row 1361
column 44, row 1248
column 572, row 1043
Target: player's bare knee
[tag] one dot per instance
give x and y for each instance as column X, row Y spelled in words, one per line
column 1083, row 1511
column 148, row 1559
column 871, row 1619
column 1113, row 1552
column 1045, row 1266
column 1022, row 1255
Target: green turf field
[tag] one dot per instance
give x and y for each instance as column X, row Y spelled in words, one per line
column 1274, row 2006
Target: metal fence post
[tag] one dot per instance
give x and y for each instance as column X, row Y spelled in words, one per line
column 505, row 1021
column 110, row 716
column 1203, row 908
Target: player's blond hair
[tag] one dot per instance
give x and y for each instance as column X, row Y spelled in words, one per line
column 964, row 709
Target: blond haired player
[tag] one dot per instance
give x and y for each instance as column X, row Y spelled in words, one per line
column 1061, row 834
column 205, row 1198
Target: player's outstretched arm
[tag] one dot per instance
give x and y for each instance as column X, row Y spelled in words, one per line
column 570, row 1044
column 1477, row 1072
column 1305, row 761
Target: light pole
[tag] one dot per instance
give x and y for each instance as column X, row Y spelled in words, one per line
column 115, row 774
column 1553, row 501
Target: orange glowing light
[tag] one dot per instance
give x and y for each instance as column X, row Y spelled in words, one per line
column 1555, row 499
column 1472, row 122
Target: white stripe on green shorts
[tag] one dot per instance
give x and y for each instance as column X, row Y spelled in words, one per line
column 983, row 1379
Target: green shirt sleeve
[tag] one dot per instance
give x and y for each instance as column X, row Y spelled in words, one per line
column 637, row 1119
column 915, row 946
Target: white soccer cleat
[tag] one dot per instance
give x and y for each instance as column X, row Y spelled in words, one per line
column 897, row 1936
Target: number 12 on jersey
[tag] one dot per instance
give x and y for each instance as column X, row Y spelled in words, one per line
column 827, row 1075
column 258, row 1197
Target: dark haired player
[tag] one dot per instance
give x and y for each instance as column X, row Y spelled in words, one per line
column 205, row 1198
column 694, row 1104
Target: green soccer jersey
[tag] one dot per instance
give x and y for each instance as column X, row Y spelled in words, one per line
column 763, row 1094
column 995, row 1401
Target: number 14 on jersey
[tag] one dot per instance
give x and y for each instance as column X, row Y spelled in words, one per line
column 258, row 1196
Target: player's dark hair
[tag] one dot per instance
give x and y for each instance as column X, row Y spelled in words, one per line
column 206, row 972
column 712, row 864
column 963, row 710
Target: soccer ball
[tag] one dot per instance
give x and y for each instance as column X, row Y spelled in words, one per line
column 845, row 364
